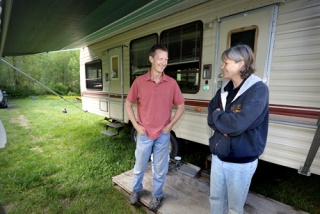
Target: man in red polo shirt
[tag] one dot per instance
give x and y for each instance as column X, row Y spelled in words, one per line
column 155, row 94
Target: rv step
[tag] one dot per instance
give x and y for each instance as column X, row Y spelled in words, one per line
column 109, row 133
column 115, row 125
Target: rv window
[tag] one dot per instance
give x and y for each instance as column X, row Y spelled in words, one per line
column 246, row 36
column 139, row 55
column 94, row 75
column 184, row 46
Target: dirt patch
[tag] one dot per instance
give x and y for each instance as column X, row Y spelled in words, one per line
column 9, row 207
column 37, row 148
column 21, row 120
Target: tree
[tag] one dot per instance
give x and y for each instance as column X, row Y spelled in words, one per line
column 55, row 70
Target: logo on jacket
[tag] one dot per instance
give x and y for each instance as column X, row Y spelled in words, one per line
column 235, row 108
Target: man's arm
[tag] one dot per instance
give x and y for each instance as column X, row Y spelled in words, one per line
column 140, row 129
column 176, row 117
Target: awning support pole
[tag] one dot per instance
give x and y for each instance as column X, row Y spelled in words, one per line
column 305, row 169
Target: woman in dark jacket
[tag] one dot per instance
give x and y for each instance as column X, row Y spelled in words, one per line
column 239, row 116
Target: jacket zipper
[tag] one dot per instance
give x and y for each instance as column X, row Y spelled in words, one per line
column 215, row 148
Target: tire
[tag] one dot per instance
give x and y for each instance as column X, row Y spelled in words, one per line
column 174, row 146
column 133, row 135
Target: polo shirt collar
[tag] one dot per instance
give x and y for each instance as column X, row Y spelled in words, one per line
column 164, row 76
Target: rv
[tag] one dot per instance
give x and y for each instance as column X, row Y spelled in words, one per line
column 285, row 38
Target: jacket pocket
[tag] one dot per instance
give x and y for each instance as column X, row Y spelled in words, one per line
column 220, row 145
column 223, row 149
column 213, row 141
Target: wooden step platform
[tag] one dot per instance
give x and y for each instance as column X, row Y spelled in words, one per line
column 185, row 194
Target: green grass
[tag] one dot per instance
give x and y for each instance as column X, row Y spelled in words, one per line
column 61, row 163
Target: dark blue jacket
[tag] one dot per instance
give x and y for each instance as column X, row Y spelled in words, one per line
column 241, row 127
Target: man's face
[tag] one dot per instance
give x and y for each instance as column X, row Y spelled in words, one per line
column 159, row 61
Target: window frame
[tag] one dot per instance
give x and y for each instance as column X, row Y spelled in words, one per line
column 94, row 83
column 189, row 70
column 243, row 29
column 145, row 67
column 180, row 67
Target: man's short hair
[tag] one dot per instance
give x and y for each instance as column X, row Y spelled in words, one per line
column 157, row 47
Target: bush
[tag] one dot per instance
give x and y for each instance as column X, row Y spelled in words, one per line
column 71, row 93
column 60, row 89
column 18, row 92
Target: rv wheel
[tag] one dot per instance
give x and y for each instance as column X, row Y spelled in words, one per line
column 173, row 142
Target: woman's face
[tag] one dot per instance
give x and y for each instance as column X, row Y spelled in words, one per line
column 231, row 68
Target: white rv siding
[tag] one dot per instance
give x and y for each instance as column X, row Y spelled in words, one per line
column 295, row 81
column 295, row 75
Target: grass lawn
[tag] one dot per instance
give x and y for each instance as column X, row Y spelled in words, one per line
column 61, row 163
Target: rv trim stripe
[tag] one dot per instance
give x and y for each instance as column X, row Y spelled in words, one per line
column 296, row 111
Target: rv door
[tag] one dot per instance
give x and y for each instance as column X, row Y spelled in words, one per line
column 254, row 28
column 116, row 88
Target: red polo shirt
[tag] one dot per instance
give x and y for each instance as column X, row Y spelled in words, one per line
column 154, row 102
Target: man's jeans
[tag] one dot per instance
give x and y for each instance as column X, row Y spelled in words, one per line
column 160, row 148
column 229, row 185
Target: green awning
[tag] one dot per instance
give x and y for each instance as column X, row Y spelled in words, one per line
column 35, row 26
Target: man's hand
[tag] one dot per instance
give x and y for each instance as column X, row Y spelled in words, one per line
column 140, row 129
column 166, row 129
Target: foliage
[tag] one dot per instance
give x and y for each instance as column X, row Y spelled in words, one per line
column 19, row 91
column 60, row 88
column 56, row 69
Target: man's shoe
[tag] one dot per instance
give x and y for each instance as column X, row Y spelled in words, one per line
column 155, row 203
column 134, row 198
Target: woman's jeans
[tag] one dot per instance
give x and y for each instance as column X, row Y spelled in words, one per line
column 144, row 147
column 229, row 185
